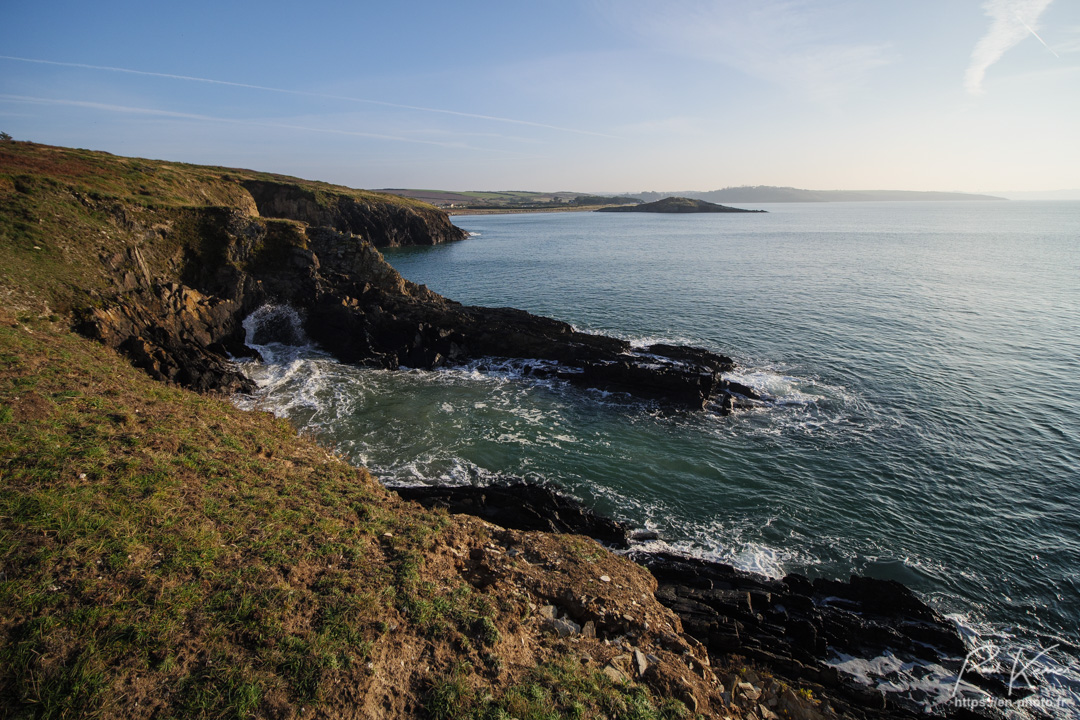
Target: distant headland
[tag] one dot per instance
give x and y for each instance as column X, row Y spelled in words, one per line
column 770, row 194
column 677, row 205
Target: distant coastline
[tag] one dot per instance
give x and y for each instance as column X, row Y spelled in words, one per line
column 770, row 194
column 525, row 201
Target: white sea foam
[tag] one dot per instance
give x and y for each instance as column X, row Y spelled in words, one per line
column 928, row 686
column 637, row 340
column 938, row 688
column 299, row 381
column 1051, row 663
column 431, row 469
column 715, row 541
column 781, row 389
column 748, row 557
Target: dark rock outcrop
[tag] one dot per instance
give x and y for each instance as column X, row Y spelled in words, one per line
column 795, row 625
column 792, row 627
column 176, row 334
column 677, row 205
column 520, row 506
column 354, row 304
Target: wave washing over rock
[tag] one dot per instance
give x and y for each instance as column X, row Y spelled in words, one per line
column 869, row 645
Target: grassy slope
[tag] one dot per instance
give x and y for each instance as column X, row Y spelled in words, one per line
column 165, row 554
column 58, row 210
column 150, row 536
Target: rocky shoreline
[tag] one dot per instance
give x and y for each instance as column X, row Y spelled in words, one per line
column 168, row 282
column 179, row 315
column 793, row 628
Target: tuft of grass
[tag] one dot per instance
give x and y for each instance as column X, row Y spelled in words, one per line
column 450, row 697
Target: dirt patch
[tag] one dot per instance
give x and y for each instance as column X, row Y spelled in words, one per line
column 30, row 406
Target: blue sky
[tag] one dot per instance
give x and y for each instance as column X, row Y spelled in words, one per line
column 586, row 95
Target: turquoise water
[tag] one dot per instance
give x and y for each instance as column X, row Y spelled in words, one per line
column 925, row 357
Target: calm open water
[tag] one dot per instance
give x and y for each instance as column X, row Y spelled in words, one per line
column 925, row 358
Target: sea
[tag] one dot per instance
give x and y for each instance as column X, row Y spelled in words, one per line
column 922, row 366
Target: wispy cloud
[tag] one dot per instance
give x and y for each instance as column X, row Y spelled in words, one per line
column 304, row 93
column 807, row 47
column 1011, row 22
column 130, row 110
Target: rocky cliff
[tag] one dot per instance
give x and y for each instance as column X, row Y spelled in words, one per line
column 382, row 223
column 173, row 258
column 181, row 320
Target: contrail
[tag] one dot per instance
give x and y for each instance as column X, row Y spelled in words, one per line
column 1008, row 27
column 1032, row 31
column 210, row 118
column 304, row 93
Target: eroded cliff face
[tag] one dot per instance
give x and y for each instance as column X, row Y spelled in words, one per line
column 179, row 302
column 382, row 224
column 187, row 278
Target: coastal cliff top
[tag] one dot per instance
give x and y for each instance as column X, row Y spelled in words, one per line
column 63, row 209
column 160, row 182
column 163, row 553
column 166, row 554
column 678, row 205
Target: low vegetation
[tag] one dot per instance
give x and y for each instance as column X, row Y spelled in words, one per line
column 553, row 690
column 148, row 532
column 62, row 210
column 164, row 554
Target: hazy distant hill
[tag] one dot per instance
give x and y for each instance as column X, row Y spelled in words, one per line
column 769, row 194
column 1041, row 194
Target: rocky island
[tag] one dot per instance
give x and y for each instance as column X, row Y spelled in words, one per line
column 165, row 554
column 677, row 205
